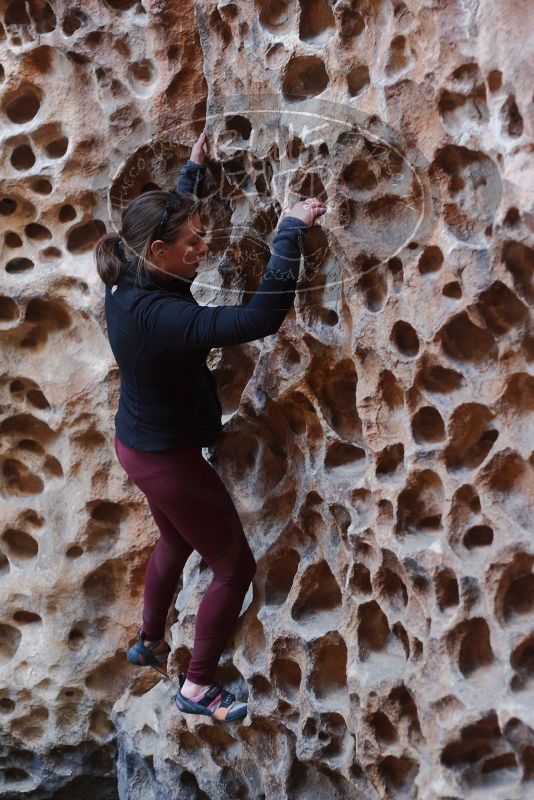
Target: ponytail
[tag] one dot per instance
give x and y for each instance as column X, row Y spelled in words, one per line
column 109, row 257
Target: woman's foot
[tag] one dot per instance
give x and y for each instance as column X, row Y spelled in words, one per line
column 149, row 653
column 158, row 646
column 194, row 691
column 214, row 701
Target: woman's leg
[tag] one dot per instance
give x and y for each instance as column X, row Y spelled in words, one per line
column 200, row 507
column 164, row 567
column 191, row 495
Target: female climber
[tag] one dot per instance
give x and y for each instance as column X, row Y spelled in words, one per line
column 168, row 410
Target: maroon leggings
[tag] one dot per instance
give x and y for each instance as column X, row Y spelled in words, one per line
column 193, row 511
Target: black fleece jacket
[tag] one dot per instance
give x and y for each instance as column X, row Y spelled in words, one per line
column 160, row 337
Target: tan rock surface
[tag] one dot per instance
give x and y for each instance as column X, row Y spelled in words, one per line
column 378, row 448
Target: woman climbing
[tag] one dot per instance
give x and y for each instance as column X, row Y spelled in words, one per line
column 168, row 410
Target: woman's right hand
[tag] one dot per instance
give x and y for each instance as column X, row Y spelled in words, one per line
column 307, row 210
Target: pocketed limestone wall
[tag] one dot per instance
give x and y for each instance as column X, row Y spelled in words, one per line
column 378, row 447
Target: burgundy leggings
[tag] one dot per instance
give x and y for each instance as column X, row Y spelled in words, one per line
column 193, row 511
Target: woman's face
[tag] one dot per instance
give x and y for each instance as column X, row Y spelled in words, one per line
column 182, row 256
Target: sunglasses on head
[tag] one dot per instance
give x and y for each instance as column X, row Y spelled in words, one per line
column 171, row 205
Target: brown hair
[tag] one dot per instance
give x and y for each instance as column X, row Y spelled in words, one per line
column 130, row 247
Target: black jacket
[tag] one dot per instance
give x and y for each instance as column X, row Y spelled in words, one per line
column 160, row 337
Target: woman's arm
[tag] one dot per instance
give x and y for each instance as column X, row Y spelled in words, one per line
column 190, row 178
column 173, row 322
column 193, row 171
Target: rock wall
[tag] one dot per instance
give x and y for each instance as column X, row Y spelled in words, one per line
column 378, row 447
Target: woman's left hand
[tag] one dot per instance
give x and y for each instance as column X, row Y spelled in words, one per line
column 199, row 150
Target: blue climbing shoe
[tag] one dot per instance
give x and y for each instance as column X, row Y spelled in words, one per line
column 144, row 655
column 217, row 703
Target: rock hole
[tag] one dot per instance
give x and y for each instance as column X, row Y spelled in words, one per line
column 478, row 536
column 453, row 290
column 390, row 459
column 360, row 580
column 73, row 22
column 384, row 731
column 494, row 80
column 304, row 77
column 6, row 705
column 142, row 75
column 26, row 617
column 397, row 58
column 373, row 629
column 76, row 639
column 351, row 23
column 9, row 310
column 22, row 157
column 522, row 660
column 435, row 378
column 390, row 390
column 41, row 186
column 66, row 213
column 431, row 260
column 20, row 544
column 405, row 338
column 43, row 16
column 16, row 14
column 9, row 642
column 319, row 594
column 329, row 672
column 282, row 567
column 316, row 20
column 57, row 148
column 358, row 80
column 37, row 232
column 392, row 588
column 74, row 552
column 446, row 589
column 83, row 238
column 12, row 239
column 519, row 597
column 99, row 585
column 512, row 217
column 276, row 14
column 420, row 503
column 23, row 107
column 286, row 676
column 51, row 254
column 470, row 437
column 373, row 287
column 239, row 125
column 519, row 260
column 512, row 119
column 359, row 176
column 501, row 309
column 121, row 5
column 7, row 206
column 464, row 341
column 428, row 425
column 20, row 264
column 343, row 458
column 475, row 649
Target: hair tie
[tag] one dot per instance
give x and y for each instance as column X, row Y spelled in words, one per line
column 119, row 246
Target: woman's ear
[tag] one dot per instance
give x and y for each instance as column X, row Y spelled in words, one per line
column 157, row 248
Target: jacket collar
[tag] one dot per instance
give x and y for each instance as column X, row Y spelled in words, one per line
column 175, row 284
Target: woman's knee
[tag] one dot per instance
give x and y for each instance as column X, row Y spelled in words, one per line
column 240, row 569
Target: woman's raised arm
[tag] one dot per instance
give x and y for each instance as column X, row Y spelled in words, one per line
column 172, row 322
